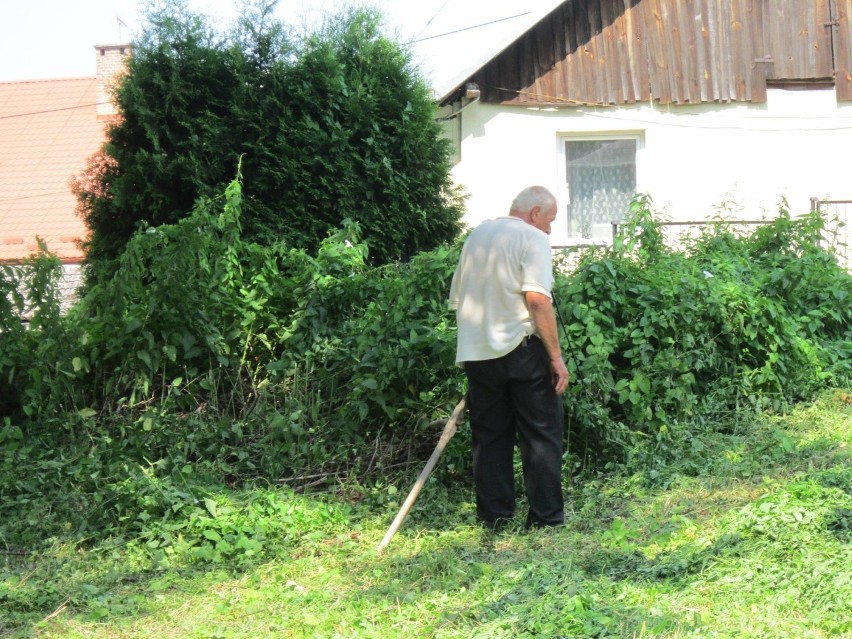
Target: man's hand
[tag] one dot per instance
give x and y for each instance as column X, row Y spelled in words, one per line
column 541, row 309
column 560, row 375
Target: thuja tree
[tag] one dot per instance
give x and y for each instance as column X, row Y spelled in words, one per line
column 166, row 149
column 336, row 125
column 363, row 142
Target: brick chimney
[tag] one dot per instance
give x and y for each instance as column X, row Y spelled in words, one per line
column 111, row 61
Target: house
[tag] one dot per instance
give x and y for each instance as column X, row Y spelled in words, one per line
column 709, row 106
column 48, row 131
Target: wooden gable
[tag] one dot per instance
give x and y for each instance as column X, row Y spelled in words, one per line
column 614, row 52
column 842, row 47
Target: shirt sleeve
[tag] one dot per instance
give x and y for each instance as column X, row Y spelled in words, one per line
column 453, row 300
column 538, row 266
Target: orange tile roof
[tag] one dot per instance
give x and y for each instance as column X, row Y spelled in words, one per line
column 48, row 130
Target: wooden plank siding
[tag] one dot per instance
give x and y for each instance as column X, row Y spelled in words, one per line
column 614, row 52
column 756, row 54
column 842, row 32
column 798, row 39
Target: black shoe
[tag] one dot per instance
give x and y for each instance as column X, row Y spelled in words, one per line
column 498, row 525
column 533, row 525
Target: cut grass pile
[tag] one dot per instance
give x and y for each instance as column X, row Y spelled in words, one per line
column 755, row 544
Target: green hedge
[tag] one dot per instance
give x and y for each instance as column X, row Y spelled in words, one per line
column 207, row 346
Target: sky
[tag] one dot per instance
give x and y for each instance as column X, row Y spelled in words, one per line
column 41, row 39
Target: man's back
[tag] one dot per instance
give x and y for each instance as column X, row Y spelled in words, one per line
column 501, row 260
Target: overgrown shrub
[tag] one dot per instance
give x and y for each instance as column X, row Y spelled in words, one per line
column 664, row 342
column 304, row 357
column 31, row 327
column 255, row 363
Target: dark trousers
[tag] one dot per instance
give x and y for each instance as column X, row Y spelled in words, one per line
column 512, row 397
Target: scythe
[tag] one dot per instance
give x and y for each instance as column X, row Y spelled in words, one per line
column 446, row 436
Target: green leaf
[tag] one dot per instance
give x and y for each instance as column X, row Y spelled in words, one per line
column 370, row 383
column 145, row 357
column 212, row 535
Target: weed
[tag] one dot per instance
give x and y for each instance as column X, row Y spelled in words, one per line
column 708, row 554
column 213, row 443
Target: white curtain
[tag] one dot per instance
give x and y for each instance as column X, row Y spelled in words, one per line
column 601, row 182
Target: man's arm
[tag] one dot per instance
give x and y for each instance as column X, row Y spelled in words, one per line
column 541, row 309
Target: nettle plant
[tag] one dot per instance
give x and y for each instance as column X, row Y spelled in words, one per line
column 286, row 355
column 32, row 333
column 205, row 346
column 665, row 341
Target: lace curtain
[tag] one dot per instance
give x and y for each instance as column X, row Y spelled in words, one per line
column 601, row 183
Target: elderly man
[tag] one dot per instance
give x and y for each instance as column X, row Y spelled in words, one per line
column 509, row 348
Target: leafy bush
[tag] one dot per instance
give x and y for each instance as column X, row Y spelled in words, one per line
column 31, row 326
column 664, row 342
column 257, row 362
column 290, row 358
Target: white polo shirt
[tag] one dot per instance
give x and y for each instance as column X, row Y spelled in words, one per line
column 501, row 260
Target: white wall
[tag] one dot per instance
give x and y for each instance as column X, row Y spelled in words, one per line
column 691, row 160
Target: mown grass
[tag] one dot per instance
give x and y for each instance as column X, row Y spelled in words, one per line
column 749, row 536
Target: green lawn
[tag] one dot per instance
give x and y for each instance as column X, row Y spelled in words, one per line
column 756, row 543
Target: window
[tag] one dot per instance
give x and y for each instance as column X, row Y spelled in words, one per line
column 600, row 178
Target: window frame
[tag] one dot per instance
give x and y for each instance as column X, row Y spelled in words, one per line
column 638, row 136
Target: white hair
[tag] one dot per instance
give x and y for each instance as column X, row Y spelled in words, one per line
column 531, row 197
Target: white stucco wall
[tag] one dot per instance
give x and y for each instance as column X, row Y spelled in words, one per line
column 692, row 160
column 70, row 280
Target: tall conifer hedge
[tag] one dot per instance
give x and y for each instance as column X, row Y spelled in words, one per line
column 334, row 125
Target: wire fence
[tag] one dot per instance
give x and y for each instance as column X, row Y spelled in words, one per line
column 837, row 215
